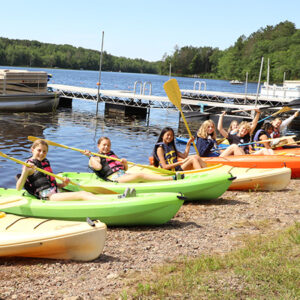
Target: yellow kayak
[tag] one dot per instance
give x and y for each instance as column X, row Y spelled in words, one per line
column 55, row 239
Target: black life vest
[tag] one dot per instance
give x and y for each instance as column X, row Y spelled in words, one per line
column 39, row 181
column 170, row 154
column 109, row 166
column 236, row 139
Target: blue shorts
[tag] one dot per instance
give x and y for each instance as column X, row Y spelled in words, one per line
column 45, row 194
column 116, row 175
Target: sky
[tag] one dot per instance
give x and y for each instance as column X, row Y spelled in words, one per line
column 142, row 29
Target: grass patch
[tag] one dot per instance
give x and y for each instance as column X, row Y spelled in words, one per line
column 267, row 268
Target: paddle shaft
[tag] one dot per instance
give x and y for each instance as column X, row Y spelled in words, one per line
column 12, row 201
column 284, row 109
column 159, row 170
column 174, row 94
column 36, row 168
column 97, row 190
column 188, row 129
column 259, row 142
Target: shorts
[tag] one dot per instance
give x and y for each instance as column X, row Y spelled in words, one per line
column 46, row 193
column 116, row 175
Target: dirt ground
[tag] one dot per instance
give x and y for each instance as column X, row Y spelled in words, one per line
column 198, row 228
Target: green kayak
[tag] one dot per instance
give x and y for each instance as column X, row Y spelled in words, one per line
column 194, row 187
column 143, row 209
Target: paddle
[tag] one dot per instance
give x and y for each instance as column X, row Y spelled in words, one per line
column 285, row 143
column 260, row 142
column 282, row 110
column 11, row 201
column 159, row 170
column 173, row 92
column 92, row 189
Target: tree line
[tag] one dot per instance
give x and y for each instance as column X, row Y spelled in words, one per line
column 280, row 44
column 36, row 54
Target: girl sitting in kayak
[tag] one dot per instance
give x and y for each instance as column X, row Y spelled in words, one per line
column 264, row 134
column 44, row 186
column 243, row 136
column 114, row 170
column 166, row 155
column 206, row 142
column 281, row 126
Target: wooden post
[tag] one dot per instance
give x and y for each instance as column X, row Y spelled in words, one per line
column 99, row 82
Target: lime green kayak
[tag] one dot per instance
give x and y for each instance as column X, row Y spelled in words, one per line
column 194, row 187
column 143, row 209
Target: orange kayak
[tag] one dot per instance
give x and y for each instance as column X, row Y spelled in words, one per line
column 287, row 151
column 259, row 161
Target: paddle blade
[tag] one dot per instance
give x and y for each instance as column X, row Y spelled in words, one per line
column 11, row 201
column 172, row 90
column 282, row 110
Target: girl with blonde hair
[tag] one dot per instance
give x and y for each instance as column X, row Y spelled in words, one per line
column 206, row 142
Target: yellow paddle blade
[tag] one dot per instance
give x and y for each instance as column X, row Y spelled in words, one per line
column 172, row 90
column 94, row 190
column 282, row 110
column 11, row 201
column 50, row 143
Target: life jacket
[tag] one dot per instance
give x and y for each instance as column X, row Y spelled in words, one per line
column 257, row 136
column 109, row 166
column 275, row 134
column 236, row 139
column 170, row 154
column 39, row 181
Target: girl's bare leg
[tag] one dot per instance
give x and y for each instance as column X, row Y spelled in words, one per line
column 194, row 162
column 143, row 177
column 232, row 150
column 69, row 196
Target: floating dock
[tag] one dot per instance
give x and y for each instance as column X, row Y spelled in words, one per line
column 131, row 99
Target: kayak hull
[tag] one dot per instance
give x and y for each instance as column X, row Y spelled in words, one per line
column 246, row 178
column 258, row 179
column 195, row 187
column 259, row 161
column 144, row 209
column 54, row 239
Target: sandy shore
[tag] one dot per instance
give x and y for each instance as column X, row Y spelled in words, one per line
column 198, row 228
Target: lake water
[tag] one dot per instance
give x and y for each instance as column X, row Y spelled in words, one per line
column 79, row 127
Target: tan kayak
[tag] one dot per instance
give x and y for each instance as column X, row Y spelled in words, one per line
column 44, row 238
column 258, row 179
column 273, row 179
